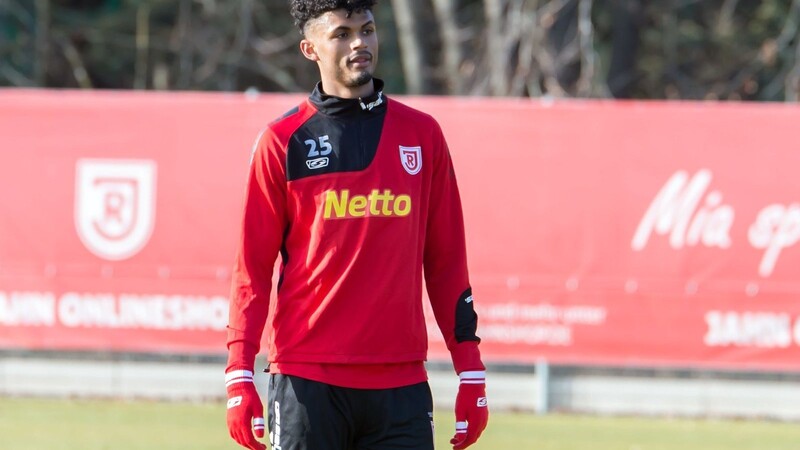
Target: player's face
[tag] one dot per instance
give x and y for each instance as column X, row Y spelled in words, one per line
column 346, row 49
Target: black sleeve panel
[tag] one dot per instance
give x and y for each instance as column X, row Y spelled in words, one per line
column 466, row 318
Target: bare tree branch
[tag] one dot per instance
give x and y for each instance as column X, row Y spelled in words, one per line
column 278, row 75
column 527, row 74
column 212, row 57
column 793, row 79
column 549, row 60
column 278, row 44
column 142, row 45
column 586, row 40
column 407, row 15
column 184, row 44
column 625, row 43
column 15, row 77
column 452, row 44
column 493, row 9
column 670, row 48
column 42, row 41
column 78, row 68
column 769, row 49
column 725, row 22
column 19, row 12
column 234, row 57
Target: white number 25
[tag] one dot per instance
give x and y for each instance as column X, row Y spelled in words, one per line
column 323, row 144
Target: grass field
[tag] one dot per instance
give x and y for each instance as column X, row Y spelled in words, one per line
column 93, row 425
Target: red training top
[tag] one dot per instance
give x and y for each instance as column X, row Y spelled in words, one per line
column 358, row 196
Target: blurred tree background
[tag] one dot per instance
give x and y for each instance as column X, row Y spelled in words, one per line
column 673, row 49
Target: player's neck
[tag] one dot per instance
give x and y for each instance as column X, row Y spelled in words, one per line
column 347, row 92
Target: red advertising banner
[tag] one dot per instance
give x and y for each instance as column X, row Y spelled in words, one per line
column 633, row 233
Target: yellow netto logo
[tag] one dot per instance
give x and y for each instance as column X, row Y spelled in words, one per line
column 340, row 205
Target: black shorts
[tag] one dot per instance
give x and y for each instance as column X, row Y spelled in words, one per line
column 309, row 415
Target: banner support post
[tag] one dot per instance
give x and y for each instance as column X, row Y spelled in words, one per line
column 542, row 386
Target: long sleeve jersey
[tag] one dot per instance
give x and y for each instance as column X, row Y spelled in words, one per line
column 359, row 199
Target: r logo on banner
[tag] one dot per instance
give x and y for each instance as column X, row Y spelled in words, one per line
column 115, row 205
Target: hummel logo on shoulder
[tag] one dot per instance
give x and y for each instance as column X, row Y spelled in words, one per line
column 318, row 163
column 369, row 106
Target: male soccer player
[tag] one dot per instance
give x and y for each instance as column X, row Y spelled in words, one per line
column 357, row 193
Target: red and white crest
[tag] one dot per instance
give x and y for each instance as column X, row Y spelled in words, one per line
column 411, row 157
column 115, row 205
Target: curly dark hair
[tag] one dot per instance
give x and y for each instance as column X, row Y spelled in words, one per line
column 305, row 10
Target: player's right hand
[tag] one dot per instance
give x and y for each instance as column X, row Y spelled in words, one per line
column 245, row 411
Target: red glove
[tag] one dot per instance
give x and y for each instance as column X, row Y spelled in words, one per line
column 245, row 411
column 472, row 410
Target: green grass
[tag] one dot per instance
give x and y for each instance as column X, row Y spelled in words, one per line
column 118, row 425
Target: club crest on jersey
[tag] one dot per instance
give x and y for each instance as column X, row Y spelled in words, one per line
column 411, row 158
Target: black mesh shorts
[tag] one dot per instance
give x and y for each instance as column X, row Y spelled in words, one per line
column 309, row 415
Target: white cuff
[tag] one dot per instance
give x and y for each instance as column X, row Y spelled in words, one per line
column 473, row 377
column 258, row 423
column 238, row 376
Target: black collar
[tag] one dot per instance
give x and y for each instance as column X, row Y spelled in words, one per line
column 375, row 103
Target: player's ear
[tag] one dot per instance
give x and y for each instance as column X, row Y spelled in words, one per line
column 309, row 50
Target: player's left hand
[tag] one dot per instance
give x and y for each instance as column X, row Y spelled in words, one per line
column 472, row 410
